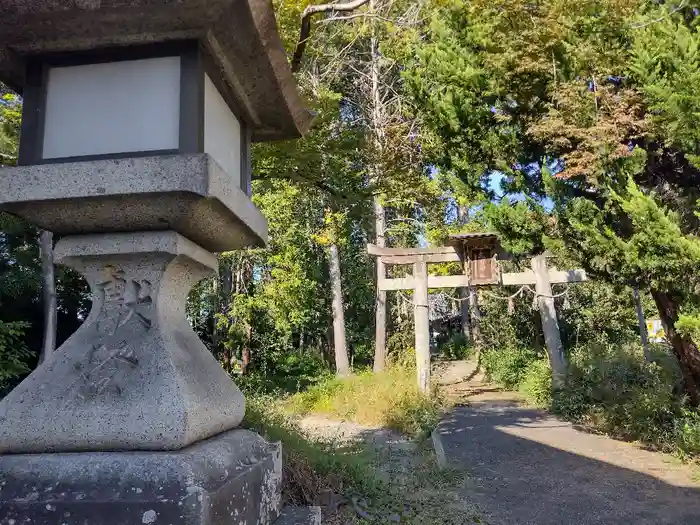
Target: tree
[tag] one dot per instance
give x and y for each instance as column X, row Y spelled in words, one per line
column 48, row 284
column 591, row 105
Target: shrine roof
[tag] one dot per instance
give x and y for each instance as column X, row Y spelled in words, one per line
column 472, row 235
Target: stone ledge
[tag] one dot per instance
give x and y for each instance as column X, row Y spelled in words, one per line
column 129, row 243
column 190, row 194
column 234, row 477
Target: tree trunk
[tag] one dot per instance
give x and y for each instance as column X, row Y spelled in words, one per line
column 380, row 299
column 642, row 324
column 342, row 363
column 550, row 323
column 222, row 301
column 245, row 352
column 379, row 212
column 683, row 346
column 470, row 306
column 464, row 306
column 474, row 316
column 462, row 214
column 215, row 305
column 48, row 280
column 226, row 286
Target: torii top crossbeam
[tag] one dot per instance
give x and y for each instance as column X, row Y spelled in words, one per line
column 479, row 260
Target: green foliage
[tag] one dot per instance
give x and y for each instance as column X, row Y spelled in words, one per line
column 457, row 347
column 689, row 325
column 655, row 251
column 666, row 64
column 615, row 391
column 10, row 119
column 284, row 371
column 521, row 225
column 536, row 383
column 686, row 431
column 389, row 398
column 401, row 345
column 14, row 355
column 507, row 366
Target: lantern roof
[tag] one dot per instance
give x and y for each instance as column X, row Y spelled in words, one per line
column 239, row 35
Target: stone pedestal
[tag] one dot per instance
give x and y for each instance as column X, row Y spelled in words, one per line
column 135, row 376
column 234, row 478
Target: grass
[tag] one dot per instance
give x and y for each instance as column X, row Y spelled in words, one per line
column 420, row 493
column 388, row 399
column 368, row 484
column 311, row 468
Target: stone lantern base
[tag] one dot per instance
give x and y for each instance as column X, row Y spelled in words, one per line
column 233, row 478
column 132, row 420
column 134, row 376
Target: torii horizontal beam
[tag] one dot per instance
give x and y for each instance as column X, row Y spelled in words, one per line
column 373, row 249
column 507, row 279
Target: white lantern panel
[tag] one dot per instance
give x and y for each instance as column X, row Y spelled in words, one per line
column 116, row 107
column 222, row 131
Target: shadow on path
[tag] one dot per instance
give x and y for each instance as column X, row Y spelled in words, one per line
column 528, row 468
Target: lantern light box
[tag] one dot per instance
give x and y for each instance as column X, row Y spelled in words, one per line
column 87, row 107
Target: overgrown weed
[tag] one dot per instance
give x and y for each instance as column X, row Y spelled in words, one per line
column 311, row 467
column 390, row 399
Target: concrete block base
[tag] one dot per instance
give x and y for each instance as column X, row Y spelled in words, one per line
column 234, row 479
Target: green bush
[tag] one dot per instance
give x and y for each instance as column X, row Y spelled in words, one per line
column 686, row 432
column 536, row 383
column 614, row 390
column 458, row 347
column 293, row 372
column 400, row 347
column 507, row 366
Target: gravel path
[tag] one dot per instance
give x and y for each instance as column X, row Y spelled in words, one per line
column 530, row 468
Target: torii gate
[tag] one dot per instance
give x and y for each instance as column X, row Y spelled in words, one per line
column 478, row 253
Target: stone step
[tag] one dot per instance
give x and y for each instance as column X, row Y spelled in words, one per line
column 300, row 516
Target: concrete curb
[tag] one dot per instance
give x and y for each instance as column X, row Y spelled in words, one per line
column 439, row 448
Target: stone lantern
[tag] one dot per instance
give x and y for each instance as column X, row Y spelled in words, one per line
column 135, row 149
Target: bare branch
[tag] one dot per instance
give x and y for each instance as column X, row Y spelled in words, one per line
column 306, row 25
column 357, row 15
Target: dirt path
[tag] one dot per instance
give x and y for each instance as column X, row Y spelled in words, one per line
column 530, row 468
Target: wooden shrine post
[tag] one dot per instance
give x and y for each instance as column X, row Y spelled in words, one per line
column 421, row 318
column 481, row 269
column 550, row 323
